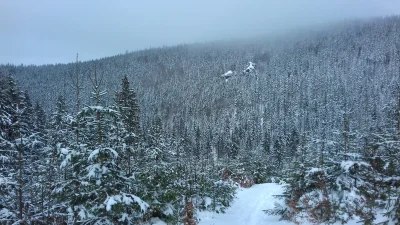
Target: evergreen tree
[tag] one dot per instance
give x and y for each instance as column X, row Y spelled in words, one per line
column 17, row 148
column 128, row 107
column 129, row 113
column 13, row 105
column 197, row 149
column 60, row 126
column 98, row 191
column 4, row 114
column 8, row 181
column 278, row 152
column 266, row 142
column 293, row 143
column 40, row 119
column 156, row 141
column 58, row 117
column 27, row 119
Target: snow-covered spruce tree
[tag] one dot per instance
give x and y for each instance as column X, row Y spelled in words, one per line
column 128, row 106
column 42, row 172
column 173, row 175
column 22, row 144
column 393, row 171
column 8, row 179
column 210, row 176
column 33, row 152
column 278, row 152
column 384, row 157
column 157, row 172
column 351, row 183
column 214, row 192
column 306, row 193
column 346, row 186
column 156, row 142
column 27, row 115
column 61, row 130
column 18, row 143
column 60, row 137
column 4, row 115
column 129, row 112
column 238, row 155
column 98, row 191
column 40, row 120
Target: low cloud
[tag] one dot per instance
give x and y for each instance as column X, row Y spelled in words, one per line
column 46, row 31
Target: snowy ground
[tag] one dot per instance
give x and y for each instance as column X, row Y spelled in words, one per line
column 247, row 208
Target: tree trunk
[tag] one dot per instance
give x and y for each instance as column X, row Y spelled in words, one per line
column 20, row 203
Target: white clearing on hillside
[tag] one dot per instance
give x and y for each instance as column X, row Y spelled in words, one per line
column 247, row 208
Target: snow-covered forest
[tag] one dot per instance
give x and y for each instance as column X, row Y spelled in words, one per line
column 169, row 132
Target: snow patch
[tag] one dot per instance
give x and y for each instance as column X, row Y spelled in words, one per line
column 247, row 208
column 93, row 154
column 110, row 202
column 227, row 74
column 168, row 210
column 126, row 199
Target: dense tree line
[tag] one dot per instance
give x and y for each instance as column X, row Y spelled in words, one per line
column 320, row 110
column 96, row 166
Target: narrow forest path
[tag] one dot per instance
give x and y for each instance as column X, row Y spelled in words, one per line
column 247, row 208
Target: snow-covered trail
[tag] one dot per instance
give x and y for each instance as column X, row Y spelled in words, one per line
column 247, row 208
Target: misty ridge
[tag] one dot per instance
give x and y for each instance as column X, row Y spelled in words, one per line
column 188, row 77
column 46, row 33
column 173, row 132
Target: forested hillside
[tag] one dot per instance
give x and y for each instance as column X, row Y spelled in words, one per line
column 319, row 110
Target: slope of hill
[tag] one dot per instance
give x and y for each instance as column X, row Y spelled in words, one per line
column 321, row 108
column 300, row 84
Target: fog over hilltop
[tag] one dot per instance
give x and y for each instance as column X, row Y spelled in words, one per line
column 47, row 32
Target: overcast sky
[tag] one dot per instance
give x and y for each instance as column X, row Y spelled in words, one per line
column 53, row 31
